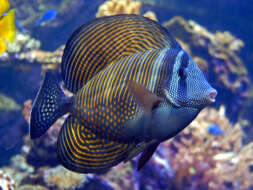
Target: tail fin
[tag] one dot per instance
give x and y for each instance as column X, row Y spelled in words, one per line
column 49, row 104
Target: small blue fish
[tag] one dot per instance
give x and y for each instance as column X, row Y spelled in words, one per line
column 215, row 130
column 21, row 28
column 47, row 16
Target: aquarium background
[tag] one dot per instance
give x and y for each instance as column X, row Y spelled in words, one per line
column 217, row 34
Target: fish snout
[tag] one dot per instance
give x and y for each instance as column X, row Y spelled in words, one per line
column 211, row 96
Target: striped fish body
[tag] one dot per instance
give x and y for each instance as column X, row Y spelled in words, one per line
column 105, row 40
column 105, row 102
column 102, row 109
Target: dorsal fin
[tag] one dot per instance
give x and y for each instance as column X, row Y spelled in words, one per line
column 104, row 40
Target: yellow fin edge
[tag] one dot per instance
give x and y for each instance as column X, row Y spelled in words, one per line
column 7, row 26
column 5, row 5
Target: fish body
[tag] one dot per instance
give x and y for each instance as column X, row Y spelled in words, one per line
column 127, row 100
column 47, row 16
column 7, row 25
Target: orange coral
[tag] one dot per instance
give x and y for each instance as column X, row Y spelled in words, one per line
column 26, row 110
column 115, row 7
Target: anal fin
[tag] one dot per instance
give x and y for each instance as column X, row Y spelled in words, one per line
column 146, row 154
column 83, row 151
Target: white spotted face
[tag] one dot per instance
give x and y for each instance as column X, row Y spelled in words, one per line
column 187, row 85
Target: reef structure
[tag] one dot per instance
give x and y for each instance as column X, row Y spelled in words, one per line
column 201, row 160
column 6, row 183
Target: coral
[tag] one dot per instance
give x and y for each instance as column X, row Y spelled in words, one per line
column 96, row 183
column 32, row 187
column 151, row 15
column 157, row 174
column 6, row 183
column 62, row 179
column 8, row 104
column 27, row 110
column 19, row 163
column 27, row 49
column 22, row 43
column 115, row 7
column 219, row 50
column 201, row 160
column 121, row 177
column 18, row 169
column 49, row 60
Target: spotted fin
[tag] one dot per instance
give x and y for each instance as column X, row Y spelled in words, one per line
column 49, row 104
column 83, row 151
column 147, row 154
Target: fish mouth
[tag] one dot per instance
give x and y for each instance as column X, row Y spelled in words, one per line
column 196, row 103
column 211, row 96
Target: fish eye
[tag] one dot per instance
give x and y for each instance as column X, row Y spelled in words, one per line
column 182, row 73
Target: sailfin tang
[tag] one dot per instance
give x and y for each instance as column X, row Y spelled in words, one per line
column 143, row 96
column 81, row 150
column 146, row 155
column 49, row 104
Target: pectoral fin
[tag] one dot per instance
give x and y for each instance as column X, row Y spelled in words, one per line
column 138, row 149
column 137, row 129
column 143, row 96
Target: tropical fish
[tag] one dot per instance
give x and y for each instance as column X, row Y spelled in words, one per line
column 215, row 130
column 47, row 16
column 7, row 25
column 133, row 85
column 22, row 28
